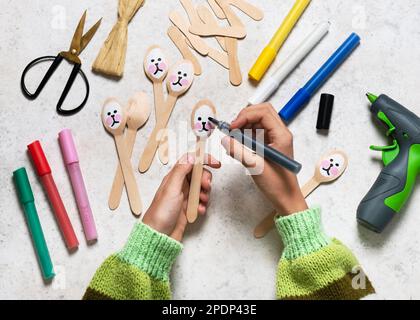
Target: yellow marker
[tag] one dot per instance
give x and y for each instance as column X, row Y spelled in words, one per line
column 268, row 55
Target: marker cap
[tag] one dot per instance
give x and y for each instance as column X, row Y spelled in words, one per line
column 23, row 186
column 261, row 66
column 68, row 148
column 325, row 111
column 38, row 157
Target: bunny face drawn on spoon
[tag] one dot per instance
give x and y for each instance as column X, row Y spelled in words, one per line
column 113, row 116
column 333, row 166
column 201, row 125
column 180, row 78
column 156, row 64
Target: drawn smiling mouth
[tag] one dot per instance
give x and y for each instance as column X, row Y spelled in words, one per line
column 328, row 170
column 114, row 122
column 157, row 69
column 204, row 129
column 178, row 83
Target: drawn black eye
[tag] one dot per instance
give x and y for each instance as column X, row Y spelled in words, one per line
column 153, row 60
column 185, row 75
column 337, row 165
column 199, row 118
column 109, row 113
column 160, row 59
column 115, row 111
column 331, row 160
column 179, row 72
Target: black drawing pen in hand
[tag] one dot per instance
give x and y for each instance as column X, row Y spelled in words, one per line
column 261, row 149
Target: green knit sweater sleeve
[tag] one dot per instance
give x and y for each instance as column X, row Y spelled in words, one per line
column 314, row 266
column 140, row 271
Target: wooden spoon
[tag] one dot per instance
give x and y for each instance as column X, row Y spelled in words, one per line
column 138, row 112
column 179, row 81
column 328, row 169
column 203, row 128
column 114, row 119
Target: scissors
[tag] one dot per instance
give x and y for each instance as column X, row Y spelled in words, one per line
column 78, row 43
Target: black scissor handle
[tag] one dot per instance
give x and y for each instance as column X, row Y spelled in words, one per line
column 56, row 62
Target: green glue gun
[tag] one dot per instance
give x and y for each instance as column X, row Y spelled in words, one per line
column 402, row 164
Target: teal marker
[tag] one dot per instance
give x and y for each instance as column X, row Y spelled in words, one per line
column 27, row 200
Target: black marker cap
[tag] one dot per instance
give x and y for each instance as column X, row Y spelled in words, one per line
column 325, row 111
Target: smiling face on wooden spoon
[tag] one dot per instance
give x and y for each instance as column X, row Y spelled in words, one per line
column 114, row 118
column 200, row 123
column 180, row 78
column 156, row 64
column 331, row 167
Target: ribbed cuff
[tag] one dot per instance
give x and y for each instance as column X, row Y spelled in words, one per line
column 151, row 251
column 302, row 233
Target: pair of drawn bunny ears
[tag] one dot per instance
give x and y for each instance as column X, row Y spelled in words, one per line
column 179, row 78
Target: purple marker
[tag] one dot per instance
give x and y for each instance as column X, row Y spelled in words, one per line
column 71, row 159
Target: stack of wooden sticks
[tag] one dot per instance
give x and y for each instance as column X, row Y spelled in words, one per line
column 202, row 23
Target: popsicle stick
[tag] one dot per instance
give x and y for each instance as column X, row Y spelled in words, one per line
column 249, row 9
column 180, row 42
column 191, row 12
column 235, row 74
column 195, row 186
column 216, row 9
column 217, row 56
column 199, row 45
column 206, row 30
column 329, row 168
column 233, row 19
column 207, row 17
column 203, row 128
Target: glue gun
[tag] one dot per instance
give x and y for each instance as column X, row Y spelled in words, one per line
column 402, row 164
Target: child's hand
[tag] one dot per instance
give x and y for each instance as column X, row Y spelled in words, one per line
column 279, row 185
column 167, row 213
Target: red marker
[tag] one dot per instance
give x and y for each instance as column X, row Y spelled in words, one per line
column 44, row 172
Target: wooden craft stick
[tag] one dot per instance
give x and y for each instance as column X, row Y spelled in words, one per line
column 191, row 12
column 199, row 45
column 207, row 17
column 328, row 169
column 216, row 9
column 138, row 113
column 195, row 187
column 217, row 56
column 203, row 128
column 205, row 30
column 114, row 119
column 179, row 81
column 249, row 9
column 232, row 18
column 235, row 74
column 180, row 42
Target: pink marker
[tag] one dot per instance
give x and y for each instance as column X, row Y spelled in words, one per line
column 71, row 159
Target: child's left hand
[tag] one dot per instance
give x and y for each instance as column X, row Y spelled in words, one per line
column 167, row 213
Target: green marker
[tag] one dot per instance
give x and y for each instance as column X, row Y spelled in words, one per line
column 26, row 198
column 401, row 161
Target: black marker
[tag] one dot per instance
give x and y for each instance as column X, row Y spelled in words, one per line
column 261, row 149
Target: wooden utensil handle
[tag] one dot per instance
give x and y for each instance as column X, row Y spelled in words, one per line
column 153, row 143
column 268, row 223
column 118, row 184
column 195, row 187
column 235, row 74
column 159, row 99
column 130, row 180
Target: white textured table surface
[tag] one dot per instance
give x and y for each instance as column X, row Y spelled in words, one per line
column 221, row 258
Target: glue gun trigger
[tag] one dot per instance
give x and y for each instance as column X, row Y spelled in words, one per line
column 385, row 148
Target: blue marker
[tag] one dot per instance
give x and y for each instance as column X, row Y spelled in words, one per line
column 302, row 97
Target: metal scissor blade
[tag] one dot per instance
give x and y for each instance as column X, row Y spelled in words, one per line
column 78, row 34
column 89, row 35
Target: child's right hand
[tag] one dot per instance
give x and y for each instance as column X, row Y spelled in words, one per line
column 278, row 185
